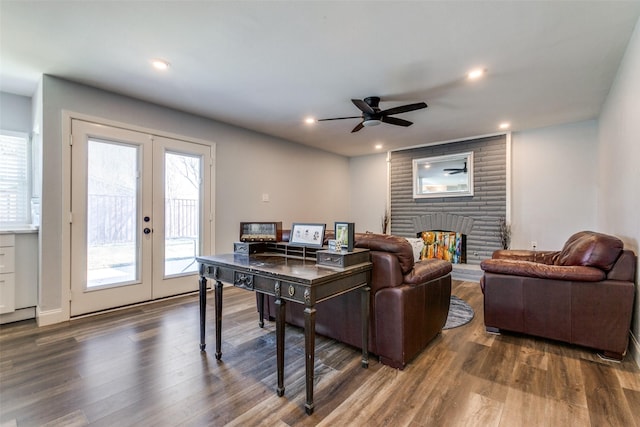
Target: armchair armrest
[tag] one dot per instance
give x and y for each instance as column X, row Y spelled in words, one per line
column 543, row 257
column 542, row 271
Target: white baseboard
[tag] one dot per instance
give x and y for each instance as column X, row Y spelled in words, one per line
column 49, row 317
column 634, row 349
column 18, row 315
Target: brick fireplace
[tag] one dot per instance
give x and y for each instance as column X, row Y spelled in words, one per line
column 445, row 235
column 477, row 217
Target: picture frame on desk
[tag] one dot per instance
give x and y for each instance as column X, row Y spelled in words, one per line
column 305, row 234
column 345, row 235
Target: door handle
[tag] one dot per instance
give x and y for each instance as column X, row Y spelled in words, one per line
column 146, row 231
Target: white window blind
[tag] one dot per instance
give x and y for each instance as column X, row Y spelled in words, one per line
column 14, row 178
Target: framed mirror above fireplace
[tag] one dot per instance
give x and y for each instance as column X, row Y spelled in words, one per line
column 443, row 176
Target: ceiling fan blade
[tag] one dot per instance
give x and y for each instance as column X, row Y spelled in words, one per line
column 339, row 118
column 456, row 172
column 396, row 121
column 363, row 106
column 358, row 127
column 404, row 108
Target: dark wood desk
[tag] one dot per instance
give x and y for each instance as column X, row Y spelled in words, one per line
column 287, row 279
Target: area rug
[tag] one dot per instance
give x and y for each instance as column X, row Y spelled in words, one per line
column 460, row 313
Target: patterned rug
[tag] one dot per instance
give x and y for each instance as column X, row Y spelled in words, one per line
column 460, row 313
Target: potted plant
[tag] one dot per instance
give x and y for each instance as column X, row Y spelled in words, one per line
column 505, row 233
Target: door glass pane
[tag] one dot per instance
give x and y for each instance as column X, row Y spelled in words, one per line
column 182, row 213
column 112, row 255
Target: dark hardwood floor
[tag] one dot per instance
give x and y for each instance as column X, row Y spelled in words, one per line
column 141, row 366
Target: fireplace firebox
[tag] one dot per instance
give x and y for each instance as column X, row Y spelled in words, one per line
column 447, row 245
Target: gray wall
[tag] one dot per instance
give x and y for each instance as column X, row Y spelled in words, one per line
column 248, row 164
column 486, row 206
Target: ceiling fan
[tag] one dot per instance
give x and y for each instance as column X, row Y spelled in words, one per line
column 372, row 115
column 453, row 171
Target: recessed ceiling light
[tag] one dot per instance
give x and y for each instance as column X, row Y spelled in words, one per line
column 159, row 64
column 505, row 125
column 378, row 146
column 309, row 120
column 476, row 74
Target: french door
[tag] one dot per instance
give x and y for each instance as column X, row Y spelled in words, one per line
column 140, row 214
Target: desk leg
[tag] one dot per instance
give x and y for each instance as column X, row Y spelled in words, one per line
column 280, row 306
column 218, row 301
column 203, row 309
column 261, row 309
column 365, row 326
column 309, row 354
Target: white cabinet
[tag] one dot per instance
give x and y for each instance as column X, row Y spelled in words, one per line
column 18, row 275
column 7, row 273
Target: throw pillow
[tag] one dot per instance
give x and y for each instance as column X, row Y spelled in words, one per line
column 417, row 244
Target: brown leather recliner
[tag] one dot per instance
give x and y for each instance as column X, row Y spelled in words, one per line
column 408, row 307
column 582, row 294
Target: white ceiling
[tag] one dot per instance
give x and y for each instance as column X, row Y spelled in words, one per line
column 266, row 65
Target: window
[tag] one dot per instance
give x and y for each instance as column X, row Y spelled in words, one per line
column 14, row 178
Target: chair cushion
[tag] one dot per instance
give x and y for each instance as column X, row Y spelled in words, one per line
column 591, row 249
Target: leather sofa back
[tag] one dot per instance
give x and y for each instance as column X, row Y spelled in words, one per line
column 625, row 267
column 591, row 249
column 398, row 246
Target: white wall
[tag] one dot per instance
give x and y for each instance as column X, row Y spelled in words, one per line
column 304, row 184
column 554, row 182
column 369, row 187
column 619, row 164
column 553, row 185
column 15, row 112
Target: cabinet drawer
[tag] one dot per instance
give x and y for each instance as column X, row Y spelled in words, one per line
column 7, row 260
column 7, row 293
column 7, row 239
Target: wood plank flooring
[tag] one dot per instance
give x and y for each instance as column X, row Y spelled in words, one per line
column 141, row 366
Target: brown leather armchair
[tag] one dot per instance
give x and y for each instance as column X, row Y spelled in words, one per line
column 582, row 294
column 408, row 307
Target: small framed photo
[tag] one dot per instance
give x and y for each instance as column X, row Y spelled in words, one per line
column 345, row 235
column 307, row 234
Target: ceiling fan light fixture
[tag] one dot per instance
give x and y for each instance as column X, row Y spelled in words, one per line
column 476, row 73
column 372, row 115
column 160, row 64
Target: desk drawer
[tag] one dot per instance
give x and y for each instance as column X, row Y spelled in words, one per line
column 7, row 260
column 342, row 259
column 248, row 248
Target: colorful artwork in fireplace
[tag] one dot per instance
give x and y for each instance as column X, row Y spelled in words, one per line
column 446, row 245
